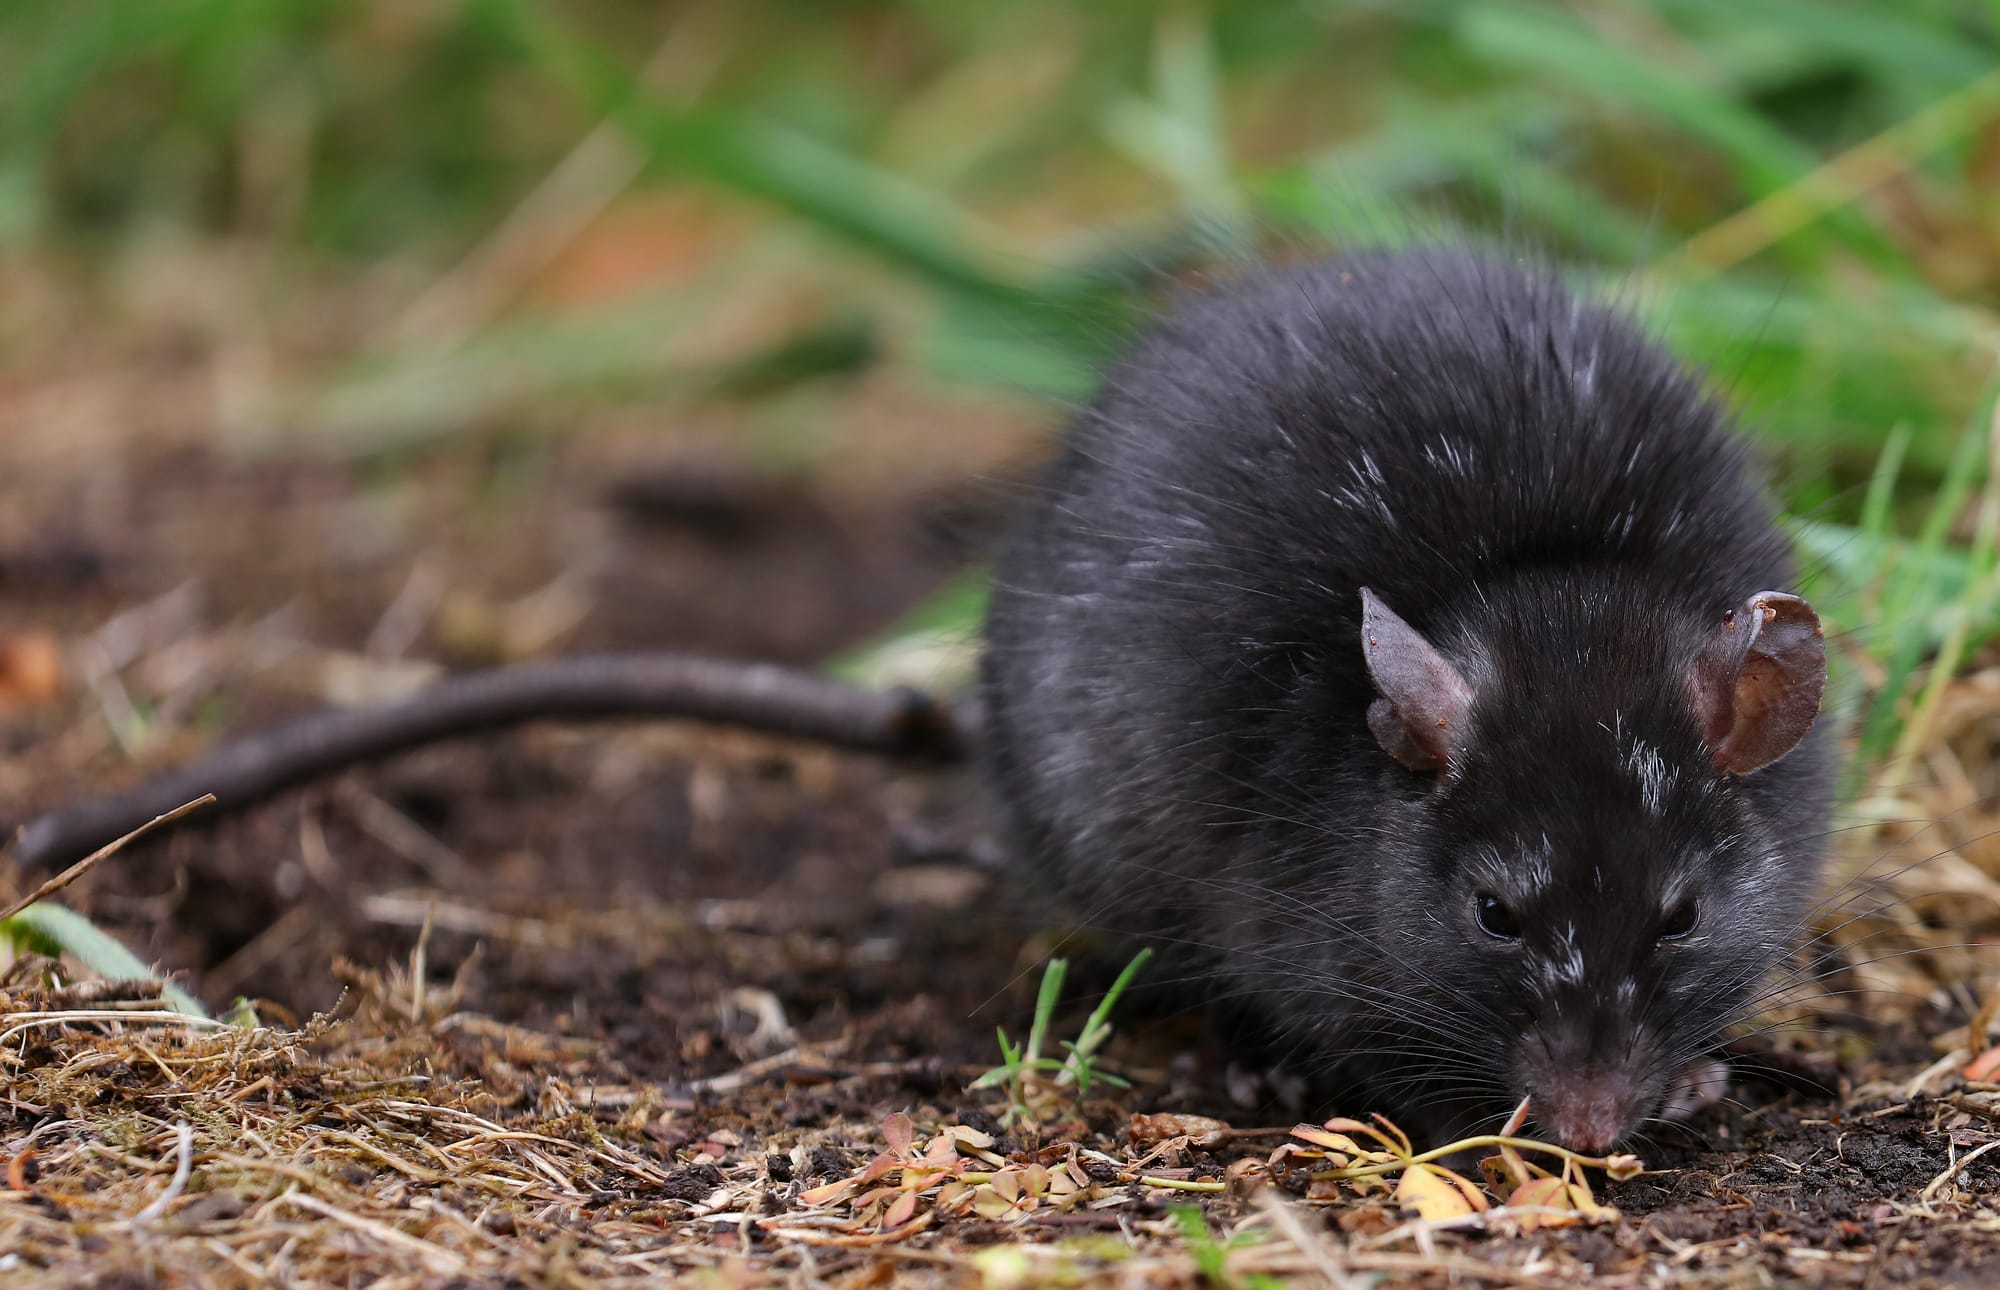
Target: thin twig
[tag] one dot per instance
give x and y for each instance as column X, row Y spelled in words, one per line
column 1943, row 1180
column 1286, row 1220
column 1482, row 1140
column 753, row 696
column 99, row 856
column 183, row 1166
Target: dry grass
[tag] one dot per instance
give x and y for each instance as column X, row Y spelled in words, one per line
column 405, row 1141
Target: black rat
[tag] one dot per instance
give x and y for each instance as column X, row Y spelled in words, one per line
column 1401, row 636
column 1406, row 640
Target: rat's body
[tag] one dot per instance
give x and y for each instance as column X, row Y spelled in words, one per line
column 1594, row 846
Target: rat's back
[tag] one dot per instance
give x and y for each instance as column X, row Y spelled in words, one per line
column 1433, row 425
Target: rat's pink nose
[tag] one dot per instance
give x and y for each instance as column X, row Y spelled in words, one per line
column 1588, row 1117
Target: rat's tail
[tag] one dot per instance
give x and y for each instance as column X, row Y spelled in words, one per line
column 753, row 696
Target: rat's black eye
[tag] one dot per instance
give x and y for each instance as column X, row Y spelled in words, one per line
column 1680, row 919
column 1495, row 919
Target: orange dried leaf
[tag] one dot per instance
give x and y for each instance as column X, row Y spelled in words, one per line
column 900, row 1132
column 1152, row 1130
column 829, row 1193
column 31, row 669
column 901, row 1212
column 1393, row 1137
column 1340, row 1126
column 1984, row 1067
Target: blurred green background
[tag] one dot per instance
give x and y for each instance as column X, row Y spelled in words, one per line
column 381, row 222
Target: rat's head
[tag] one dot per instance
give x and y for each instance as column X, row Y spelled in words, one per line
column 1595, row 862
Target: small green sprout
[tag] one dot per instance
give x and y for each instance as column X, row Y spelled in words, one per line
column 1211, row 1257
column 51, row 929
column 1023, row 1067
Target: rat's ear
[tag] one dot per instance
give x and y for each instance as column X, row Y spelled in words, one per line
column 1423, row 709
column 1757, row 685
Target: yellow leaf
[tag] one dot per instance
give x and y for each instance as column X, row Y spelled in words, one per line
column 970, row 1136
column 988, row 1203
column 1587, row 1207
column 1541, row 1193
column 1436, row 1194
column 1331, row 1141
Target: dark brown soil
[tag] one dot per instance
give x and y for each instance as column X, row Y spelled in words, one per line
column 696, row 902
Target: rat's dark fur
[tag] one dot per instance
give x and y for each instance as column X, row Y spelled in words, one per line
column 1176, row 693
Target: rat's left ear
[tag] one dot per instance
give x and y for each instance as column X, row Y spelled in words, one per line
column 1757, row 685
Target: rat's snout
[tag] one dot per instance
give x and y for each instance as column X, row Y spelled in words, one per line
column 1588, row 1113
column 1589, row 1088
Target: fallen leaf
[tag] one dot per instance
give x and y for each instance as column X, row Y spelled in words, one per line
column 1337, row 1142
column 987, row 1202
column 31, row 669
column 1985, row 1066
column 1587, row 1206
column 901, row 1212
column 1152, row 1130
column 827, row 1194
column 1437, row 1194
column 1538, row 1194
column 968, row 1136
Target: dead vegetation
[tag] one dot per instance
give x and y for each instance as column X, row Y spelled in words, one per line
column 430, row 1129
column 407, row 1141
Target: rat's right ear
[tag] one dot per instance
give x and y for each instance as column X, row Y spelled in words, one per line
column 1757, row 685
column 1424, row 706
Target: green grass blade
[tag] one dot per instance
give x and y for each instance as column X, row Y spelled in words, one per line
column 1045, row 1008
column 918, row 230
column 81, row 939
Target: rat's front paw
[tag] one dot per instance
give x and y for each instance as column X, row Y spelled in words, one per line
column 1702, row 1084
